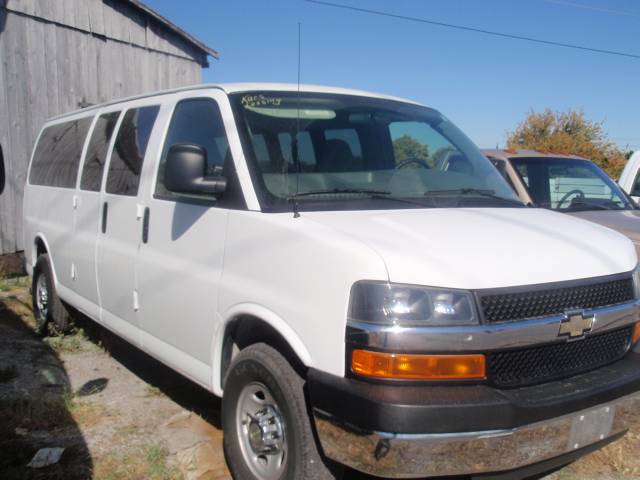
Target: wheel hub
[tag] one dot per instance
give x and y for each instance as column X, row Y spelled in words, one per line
column 265, row 431
column 42, row 295
column 261, row 432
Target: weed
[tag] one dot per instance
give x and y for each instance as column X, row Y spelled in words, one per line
column 48, row 412
column 86, row 413
column 149, row 462
column 12, row 282
column 151, row 391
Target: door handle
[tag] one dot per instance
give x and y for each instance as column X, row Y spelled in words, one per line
column 105, row 209
column 145, row 225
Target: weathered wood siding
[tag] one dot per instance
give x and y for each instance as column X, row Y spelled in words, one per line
column 55, row 54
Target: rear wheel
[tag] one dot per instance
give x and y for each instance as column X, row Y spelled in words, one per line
column 267, row 430
column 48, row 309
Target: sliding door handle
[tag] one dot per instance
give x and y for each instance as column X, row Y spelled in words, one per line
column 145, row 225
column 105, row 210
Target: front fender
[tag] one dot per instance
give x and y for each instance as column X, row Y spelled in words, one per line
column 264, row 314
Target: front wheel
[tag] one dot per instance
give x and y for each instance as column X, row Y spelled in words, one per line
column 47, row 306
column 267, row 429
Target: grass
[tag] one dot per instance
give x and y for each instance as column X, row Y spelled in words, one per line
column 86, row 413
column 151, row 391
column 43, row 413
column 14, row 282
column 49, row 412
column 74, row 343
column 148, row 462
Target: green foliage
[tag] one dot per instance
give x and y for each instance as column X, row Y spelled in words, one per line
column 406, row 147
column 568, row 133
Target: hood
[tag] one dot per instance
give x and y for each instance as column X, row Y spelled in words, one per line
column 476, row 248
column 627, row 222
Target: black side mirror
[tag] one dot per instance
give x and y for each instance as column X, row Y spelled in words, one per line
column 185, row 171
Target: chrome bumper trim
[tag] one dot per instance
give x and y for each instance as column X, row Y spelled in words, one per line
column 411, row 456
column 484, row 337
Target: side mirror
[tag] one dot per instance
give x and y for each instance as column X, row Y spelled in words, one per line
column 185, row 171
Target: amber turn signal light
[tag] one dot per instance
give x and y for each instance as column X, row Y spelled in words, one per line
column 418, row 367
column 636, row 334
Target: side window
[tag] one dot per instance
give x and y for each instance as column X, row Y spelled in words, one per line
column 348, row 136
column 417, row 143
column 129, row 150
column 57, row 155
column 97, row 152
column 305, row 150
column 635, row 190
column 196, row 121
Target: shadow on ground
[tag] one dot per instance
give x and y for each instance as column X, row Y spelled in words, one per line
column 35, row 403
column 181, row 390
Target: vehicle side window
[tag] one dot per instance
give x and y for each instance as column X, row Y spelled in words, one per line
column 635, row 190
column 348, row 136
column 57, row 155
column 418, row 144
column 97, row 152
column 501, row 166
column 306, row 151
column 196, row 121
column 129, row 150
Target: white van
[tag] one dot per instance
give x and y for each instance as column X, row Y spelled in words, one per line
column 347, row 270
column 630, row 180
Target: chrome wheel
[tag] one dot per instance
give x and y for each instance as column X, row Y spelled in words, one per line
column 42, row 296
column 261, row 431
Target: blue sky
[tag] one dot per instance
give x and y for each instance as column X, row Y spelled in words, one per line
column 484, row 84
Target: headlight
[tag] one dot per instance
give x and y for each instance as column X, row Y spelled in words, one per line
column 408, row 306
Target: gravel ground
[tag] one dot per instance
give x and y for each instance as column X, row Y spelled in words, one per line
column 120, row 414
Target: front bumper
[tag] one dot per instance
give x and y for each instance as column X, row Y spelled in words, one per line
column 404, row 432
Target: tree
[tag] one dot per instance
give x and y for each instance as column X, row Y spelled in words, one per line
column 568, row 133
column 406, row 147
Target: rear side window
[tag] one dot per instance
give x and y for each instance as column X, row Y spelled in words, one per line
column 97, row 151
column 196, row 121
column 129, row 150
column 57, row 155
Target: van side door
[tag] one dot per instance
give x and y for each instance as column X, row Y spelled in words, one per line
column 88, row 212
column 181, row 255
column 120, row 219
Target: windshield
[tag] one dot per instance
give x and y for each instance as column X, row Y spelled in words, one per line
column 569, row 185
column 329, row 151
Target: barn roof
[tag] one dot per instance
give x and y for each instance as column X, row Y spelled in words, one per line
column 173, row 27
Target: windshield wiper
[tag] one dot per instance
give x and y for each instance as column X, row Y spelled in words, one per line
column 334, row 191
column 372, row 194
column 471, row 191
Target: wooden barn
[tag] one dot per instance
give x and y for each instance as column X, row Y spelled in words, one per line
column 58, row 55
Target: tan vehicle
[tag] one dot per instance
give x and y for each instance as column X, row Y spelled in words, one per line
column 569, row 184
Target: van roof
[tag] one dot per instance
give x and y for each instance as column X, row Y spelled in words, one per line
column 242, row 87
column 508, row 154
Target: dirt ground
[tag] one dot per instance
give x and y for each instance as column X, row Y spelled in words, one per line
column 119, row 414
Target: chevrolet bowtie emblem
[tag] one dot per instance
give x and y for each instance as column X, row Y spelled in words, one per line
column 575, row 325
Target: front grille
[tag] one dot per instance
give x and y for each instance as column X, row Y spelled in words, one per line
column 504, row 307
column 547, row 362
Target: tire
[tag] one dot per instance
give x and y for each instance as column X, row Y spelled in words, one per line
column 263, row 379
column 48, row 309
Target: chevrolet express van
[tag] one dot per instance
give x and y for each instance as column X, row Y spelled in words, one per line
column 347, row 270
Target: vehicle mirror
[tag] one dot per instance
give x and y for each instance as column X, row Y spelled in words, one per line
column 185, row 171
